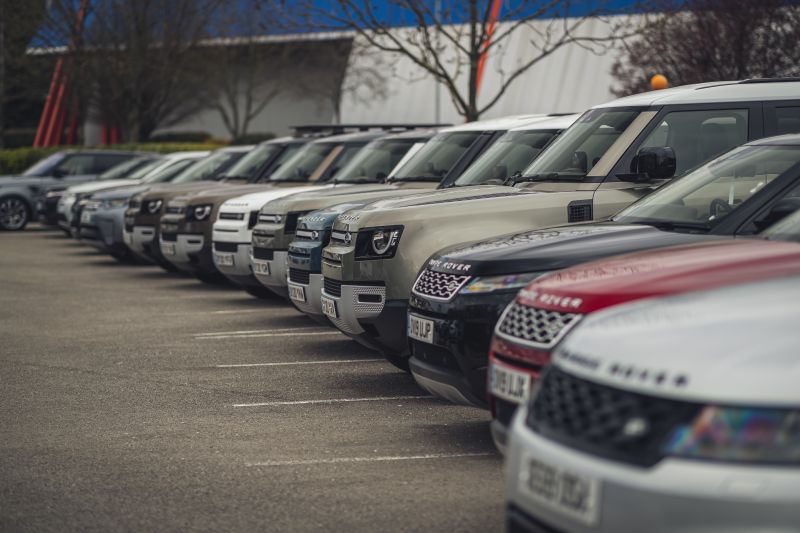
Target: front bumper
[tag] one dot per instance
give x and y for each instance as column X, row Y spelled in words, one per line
column 139, row 239
column 104, row 230
column 675, row 495
column 270, row 270
column 454, row 365
column 364, row 313
column 311, row 292
column 185, row 251
column 233, row 261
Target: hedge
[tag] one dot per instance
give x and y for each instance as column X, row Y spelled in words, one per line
column 16, row 160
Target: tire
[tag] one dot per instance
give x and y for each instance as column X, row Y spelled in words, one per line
column 14, row 213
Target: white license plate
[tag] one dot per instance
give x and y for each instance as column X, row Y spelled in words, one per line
column 261, row 268
column 128, row 238
column 329, row 307
column 420, row 328
column 168, row 248
column 86, row 217
column 297, row 293
column 509, row 384
column 129, row 221
column 225, row 260
column 561, row 490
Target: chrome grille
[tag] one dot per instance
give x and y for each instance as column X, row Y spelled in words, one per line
column 438, row 285
column 231, row 216
column 531, row 325
column 342, row 237
column 175, row 209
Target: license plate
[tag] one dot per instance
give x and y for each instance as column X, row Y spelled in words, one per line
column 261, row 268
column 86, row 217
column 509, row 384
column 168, row 248
column 223, row 259
column 297, row 293
column 129, row 221
column 128, row 237
column 559, row 489
column 329, row 307
column 420, row 328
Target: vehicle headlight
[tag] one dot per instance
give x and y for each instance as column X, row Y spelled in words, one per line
column 200, row 212
column 56, row 194
column 739, row 434
column 378, row 243
column 114, row 203
column 152, row 206
column 499, row 283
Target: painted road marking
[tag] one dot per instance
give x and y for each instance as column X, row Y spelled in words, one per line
column 248, row 331
column 334, row 400
column 370, row 459
column 314, row 334
column 339, row 361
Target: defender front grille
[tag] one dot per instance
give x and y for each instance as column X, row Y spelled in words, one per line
column 299, row 276
column 597, row 419
column 530, row 325
column 438, row 285
column 306, row 235
column 226, row 247
column 265, row 254
column 231, row 216
column 342, row 237
column 169, row 237
column 175, row 209
column 332, row 287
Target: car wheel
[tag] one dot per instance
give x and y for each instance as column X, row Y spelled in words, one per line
column 14, row 213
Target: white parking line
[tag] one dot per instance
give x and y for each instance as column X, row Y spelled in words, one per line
column 214, row 337
column 247, row 331
column 334, row 400
column 338, row 361
column 369, row 459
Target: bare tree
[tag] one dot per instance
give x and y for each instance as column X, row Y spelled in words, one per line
column 138, row 60
column 711, row 40
column 447, row 38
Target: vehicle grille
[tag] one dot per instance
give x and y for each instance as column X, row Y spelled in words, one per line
column 343, row 238
column 333, row 287
column 438, row 285
column 595, row 418
column 226, row 247
column 306, row 235
column 299, row 276
column 169, row 237
column 531, row 325
column 265, row 254
column 231, row 216
column 433, row 355
column 175, row 209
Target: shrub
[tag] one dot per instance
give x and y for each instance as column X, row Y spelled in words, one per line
column 16, row 160
column 253, row 138
column 180, row 137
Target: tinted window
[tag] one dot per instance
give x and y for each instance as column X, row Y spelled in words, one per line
column 76, row 165
column 785, row 119
column 787, row 229
column 374, row 161
column 304, row 163
column 210, row 167
column 103, row 162
column 45, row 166
column 698, row 136
column 169, row 173
column 437, row 157
column 126, row 169
column 249, row 165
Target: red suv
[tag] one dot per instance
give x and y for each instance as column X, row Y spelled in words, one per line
column 546, row 309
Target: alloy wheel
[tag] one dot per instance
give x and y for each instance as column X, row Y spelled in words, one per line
column 13, row 214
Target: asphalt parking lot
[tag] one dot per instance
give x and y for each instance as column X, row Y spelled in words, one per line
column 135, row 399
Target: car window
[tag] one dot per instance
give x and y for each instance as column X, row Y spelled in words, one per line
column 698, row 136
column 374, row 162
column 209, row 168
column 303, row 163
column 435, row 159
column 170, row 172
column 103, row 162
column 45, row 166
column 710, row 193
column 787, row 229
column 512, row 153
column 76, row 165
column 786, row 119
column 249, row 165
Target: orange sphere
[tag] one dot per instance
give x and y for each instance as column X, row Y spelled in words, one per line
column 659, row 81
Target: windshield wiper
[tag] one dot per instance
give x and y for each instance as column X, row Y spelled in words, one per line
column 550, row 176
column 669, row 225
column 356, row 180
column 414, row 178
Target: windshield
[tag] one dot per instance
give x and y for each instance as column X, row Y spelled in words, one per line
column 512, row 153
column 144, row 168
column 580, row 147
column 710, row 193
column 123, row 169
column 303, row 163
column 43, row 167
column 249, row 166
column 787, row 229
column 209, row 168
column 374, row 162
column 169, row 172
column 434, row 160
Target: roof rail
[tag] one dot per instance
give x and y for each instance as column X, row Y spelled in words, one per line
column 562, row 114
column 770, row 80
column 335, row 129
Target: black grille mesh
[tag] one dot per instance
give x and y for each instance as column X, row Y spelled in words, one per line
column 265, row 254
column 299, row 276
column 600, row 420
column 333, row 287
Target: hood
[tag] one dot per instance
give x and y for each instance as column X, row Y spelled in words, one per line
column 176, row 189
column 738, row 345
column 254, row 201
column 322, row 219
column 554, row 248
column 323, row 197
column 218, row 194
column 592, row 286
column 438, row 196
column 99, row 186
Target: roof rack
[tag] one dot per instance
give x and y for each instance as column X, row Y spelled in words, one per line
column 336, row 129
column 770, row 80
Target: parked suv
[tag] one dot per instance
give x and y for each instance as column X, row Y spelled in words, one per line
column 233, row 229
column 457, row 299
column 145, row 208
column 186, row 228
column 22, row 197
column 438, row 162
column 613, row 155
column 543, row 312
column 678, row 414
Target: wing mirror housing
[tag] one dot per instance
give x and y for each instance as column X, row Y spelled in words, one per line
column 652, row 163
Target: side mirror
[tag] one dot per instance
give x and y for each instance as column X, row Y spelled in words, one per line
column 780, row 210
column 655, row 163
